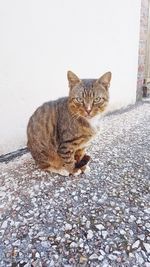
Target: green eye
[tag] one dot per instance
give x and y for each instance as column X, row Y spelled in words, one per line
column 79, row 99
column 97, row 99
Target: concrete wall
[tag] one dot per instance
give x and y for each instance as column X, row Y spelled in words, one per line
column 41, row 40
column 144, row 42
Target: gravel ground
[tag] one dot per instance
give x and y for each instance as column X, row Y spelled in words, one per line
column 100, row 219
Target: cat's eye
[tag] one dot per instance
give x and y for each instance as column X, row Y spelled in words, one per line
column 97, row 99
column 79, row 99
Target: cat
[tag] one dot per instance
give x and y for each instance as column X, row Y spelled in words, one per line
column 59, row 131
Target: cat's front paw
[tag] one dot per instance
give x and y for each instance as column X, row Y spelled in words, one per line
column 86, row 169
column 78, row 172
column 83, row 162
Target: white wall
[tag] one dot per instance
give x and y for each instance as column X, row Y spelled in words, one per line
column 41, row 40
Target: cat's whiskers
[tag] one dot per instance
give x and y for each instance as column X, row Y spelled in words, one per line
column 75, row 116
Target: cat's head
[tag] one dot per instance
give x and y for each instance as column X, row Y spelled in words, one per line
column 88, row 97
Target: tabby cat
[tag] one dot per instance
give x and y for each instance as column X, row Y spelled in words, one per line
column 60, row 131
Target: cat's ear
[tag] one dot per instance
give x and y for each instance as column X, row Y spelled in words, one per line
column 105, row 79
column 73, row 79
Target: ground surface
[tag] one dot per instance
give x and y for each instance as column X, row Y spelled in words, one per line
column 99, row 219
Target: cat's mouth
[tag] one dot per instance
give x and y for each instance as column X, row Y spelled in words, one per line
column 88, row 116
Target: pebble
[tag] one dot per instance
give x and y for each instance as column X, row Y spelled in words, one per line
column 112, row 257
column 147, row 225
column 101, row 257
column 84, row 219
column 147, row 247
column 139, row 259
column 100, row 227
column 68, row 226
column 147, row 210
column 136, row 244
column 73, row 245
column 141, row 237
column 89, row 234
column 93, row 257
column 4, row 225
column 62, row 189
column 83, row 259
column 104, row 234
column 132, row 218
column 107, row 249
column 88, row 224
column 37, row 255
column 76, row 198
column 122, row 232
column 102, row 252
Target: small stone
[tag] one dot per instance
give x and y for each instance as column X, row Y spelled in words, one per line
column 116, row 252
column 112, row 257
column 42, row 238
column 132, row 218
column 147, row 247
column 62, row 189
column 131, row 255
column 4, row 225
column 105, row 263
column 141, row 237
column 45, row 244
column 73, row 245
column 56, row 195
column 82, row 259
column 88, row 224
column 81, row 244
column 102, row 252
column 15, row 252
column 104, row 234
column 67, row 236
column 144, row 254
column 107, row 249
column 93, row 257
column 84, row 219
column 139, row 221
column 68, row 226
column 147, row 264
column 16, row 243
column 122, row 232
column 94, row 198
column 6, row 242
column 136, row 244
column 119, row 259
column 147, row 210
column 76, row 198
column 56, row 256
column 37, row 255
column 139, row 259
column 101, row 257
column 100, row 227
column 87, row 248
column 147, row 225
column 89, row 234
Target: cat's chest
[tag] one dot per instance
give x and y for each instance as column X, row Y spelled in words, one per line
column 94, row 123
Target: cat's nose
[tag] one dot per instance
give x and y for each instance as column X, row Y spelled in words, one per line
column 88, row 110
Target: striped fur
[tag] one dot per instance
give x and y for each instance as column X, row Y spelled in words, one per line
column 58, row 131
